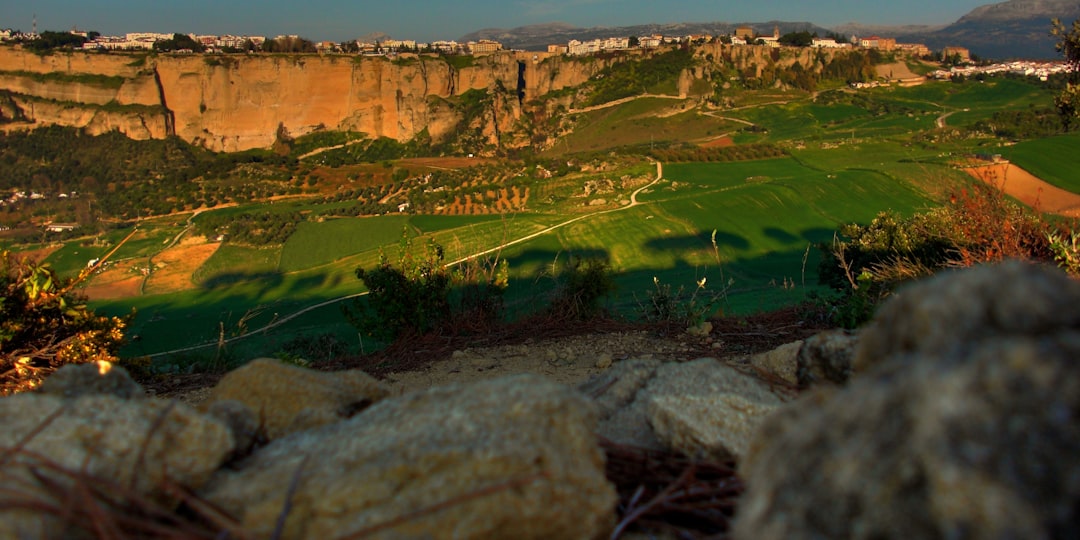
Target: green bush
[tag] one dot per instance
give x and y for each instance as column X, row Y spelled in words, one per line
column 866, row 263
column 421, row 294
column 582, row 286
column 44, row 325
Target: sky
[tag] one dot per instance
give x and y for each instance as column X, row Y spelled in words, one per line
column 427, row 20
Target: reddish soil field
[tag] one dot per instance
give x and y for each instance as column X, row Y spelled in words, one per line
column 1028, row 189
column 174, row 266
column 722, row 142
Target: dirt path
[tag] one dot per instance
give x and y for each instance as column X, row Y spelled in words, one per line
column 620, row 102
column 1028, row 189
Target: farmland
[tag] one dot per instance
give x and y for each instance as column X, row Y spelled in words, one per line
column 749, row 227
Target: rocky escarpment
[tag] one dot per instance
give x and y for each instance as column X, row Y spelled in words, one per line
column 239, row 102
column 232, row 103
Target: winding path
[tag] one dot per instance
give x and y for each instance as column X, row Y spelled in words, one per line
column 278, row 322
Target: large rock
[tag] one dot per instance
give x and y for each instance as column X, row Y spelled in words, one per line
column 508, row 458
column 286, row 398
column 140, row 445
column 826, row 358
column 974, row 436
column 704, row 409
column 623, row 417
column 946, row 314
column 101, row 377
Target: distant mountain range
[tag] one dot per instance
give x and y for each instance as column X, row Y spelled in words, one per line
column 1012, row 29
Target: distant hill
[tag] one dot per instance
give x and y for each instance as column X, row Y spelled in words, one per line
column 537, row 37
column 1012, row 29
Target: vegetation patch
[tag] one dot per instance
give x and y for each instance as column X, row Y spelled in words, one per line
column 112, row 82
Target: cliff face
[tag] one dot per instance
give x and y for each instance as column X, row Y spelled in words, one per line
column 235, row 102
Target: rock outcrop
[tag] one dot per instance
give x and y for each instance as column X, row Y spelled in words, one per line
column 509, row 458
column 704, row 408
column 962, row 422
column 284, row 398
column 239, row 102
column 140, row 447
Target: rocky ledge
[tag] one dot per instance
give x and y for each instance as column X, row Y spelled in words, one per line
column 953, row 414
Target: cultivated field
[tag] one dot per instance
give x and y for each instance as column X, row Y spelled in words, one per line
column 852, row 155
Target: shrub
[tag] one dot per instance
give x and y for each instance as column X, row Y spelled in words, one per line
column 582, row 285
column 976, row 225
column 679, row 305
column 44, row 325
column 422, row 294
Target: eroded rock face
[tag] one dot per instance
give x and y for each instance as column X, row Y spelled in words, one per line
column 139, row 445
column 508, row 458
column 286, row 398
column 704, row 408
column 963, row 425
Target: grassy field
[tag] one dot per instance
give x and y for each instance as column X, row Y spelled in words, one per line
column 316, row 244
column 1055, row 160
column 642, row 122
column 848, row 162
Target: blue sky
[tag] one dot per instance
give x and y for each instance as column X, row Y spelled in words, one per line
column 427, row 20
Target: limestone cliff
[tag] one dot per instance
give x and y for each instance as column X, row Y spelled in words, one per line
column 239, row 102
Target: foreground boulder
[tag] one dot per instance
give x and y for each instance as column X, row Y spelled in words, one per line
column 972, row 436
column 286, row 398
column 134, row 448
column 508, row 458
column 703, row 408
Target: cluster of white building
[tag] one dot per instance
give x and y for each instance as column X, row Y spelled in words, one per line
column 136, row 41
column 390, row 46
column 1042, row 70
column 744, row 35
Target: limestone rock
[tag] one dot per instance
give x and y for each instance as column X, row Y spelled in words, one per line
column 74, row 380
column 622, row 415
column 781, row 362
column 507, row 458
column 702, row 408
column 700, row 330
column 139, row 445
column 826, row 357
column 287, row 398
column 942, row 314
column 706, row 409
column 972, row 437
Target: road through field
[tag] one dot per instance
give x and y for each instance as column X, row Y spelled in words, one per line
column 282, row 320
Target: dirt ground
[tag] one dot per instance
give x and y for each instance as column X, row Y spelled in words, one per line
column 721, row 142
column 174, row 267
column 896, row 71
column 1028, row 189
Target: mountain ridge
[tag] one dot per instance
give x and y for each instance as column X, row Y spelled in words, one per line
column 1011, row 29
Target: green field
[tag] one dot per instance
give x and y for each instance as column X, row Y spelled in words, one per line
column 749, row 228
column 1055, row 160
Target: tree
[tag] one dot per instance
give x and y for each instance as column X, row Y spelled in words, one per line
column 1068, row 101
column 179, row 42
column 44, row 325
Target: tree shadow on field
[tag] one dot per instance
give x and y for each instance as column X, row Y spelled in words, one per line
column 691, row 242
column 818, row 234
column 544, row 258
column 266, row 280
column 780, row 235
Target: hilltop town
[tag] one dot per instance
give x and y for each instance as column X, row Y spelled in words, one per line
column 743, row 35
